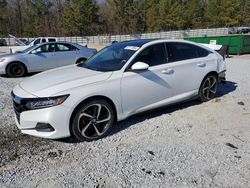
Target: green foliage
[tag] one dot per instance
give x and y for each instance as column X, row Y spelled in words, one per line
column 223, row 13
column 79, row 17
column 129, row 15
column 193, row 14
column 244, row 12
column 85, row 17
column 38, row 14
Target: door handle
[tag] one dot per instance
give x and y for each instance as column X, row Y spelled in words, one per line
column 167, row 71
column 201, row 64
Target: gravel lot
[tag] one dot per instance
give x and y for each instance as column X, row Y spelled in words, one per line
column 188, row 145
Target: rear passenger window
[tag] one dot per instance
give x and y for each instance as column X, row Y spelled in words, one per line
column 153, row 55
column 183, row 51
column 52, row 40
column 202, row 52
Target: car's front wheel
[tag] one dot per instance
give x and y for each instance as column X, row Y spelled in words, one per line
column 16, row 69
column 93, row 120
column 208, row 88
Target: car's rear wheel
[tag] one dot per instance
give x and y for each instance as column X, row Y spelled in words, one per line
column 208, row 88
column 93, row 120
column 16, row 69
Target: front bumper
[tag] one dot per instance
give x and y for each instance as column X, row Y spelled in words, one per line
column 2, row 69
column 52, row 122
column 222, row 77
column 57, row 117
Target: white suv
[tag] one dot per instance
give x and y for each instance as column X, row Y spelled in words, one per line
column 121, row 80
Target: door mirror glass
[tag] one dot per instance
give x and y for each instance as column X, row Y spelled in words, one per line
column 140, row 66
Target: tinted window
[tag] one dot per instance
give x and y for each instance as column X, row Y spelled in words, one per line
column 46, row 48
column 183, row 51
column 52, row 40
column 202, row 52
column 153, row 55
column 37, row 41
column 43, row 40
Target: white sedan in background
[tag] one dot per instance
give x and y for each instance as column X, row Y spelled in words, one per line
column 43, row 57
column 121, row 80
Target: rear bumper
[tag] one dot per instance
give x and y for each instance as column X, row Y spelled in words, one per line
column 222, row 77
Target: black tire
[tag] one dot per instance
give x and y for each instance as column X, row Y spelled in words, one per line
column 16, row 69
column 81, row 60
column 208, row 88
column 85, row 126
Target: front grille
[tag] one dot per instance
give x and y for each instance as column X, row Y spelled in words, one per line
column 18, row 105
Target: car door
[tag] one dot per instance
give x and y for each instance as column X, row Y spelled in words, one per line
column 66, row 54
column 140, row 89
column 42, row 58
column 188, row 64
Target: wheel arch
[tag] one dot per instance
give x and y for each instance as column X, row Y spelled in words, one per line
column 25, row 66
column 210, row 73
column 96, row 97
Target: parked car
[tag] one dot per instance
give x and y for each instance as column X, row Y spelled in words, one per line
column 243, row 31
column 3, row 42
column 43, row 57
column 124, row 79
column 24, row 41
column 232, row 30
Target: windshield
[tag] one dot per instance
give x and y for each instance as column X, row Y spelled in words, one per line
column 28, row 49
column 112, row 58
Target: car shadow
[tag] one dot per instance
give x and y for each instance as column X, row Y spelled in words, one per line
column 223, row 90
column 226, row 88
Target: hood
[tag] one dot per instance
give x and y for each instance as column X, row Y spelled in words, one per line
column 51, row 82
column 17, row 55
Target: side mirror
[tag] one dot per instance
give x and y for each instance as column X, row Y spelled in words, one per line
column 33, row 52
column 139, row 66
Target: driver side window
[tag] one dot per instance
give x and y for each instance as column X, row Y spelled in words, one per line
column 153, row 55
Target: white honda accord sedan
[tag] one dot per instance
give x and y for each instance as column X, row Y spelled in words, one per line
column 124, row 79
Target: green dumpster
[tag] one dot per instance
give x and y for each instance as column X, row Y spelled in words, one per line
column 238, row 44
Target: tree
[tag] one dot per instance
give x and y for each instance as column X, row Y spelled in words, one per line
column 193, row 14
column 37, row 19
column 165, row 15
column 221, row 13
column 3, row 17
column 244, row 13
column 79, row 17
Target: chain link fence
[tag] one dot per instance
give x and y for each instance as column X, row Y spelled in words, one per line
column 105, row 39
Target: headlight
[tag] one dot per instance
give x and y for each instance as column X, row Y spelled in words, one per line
column 39, row 103
column 2, row 60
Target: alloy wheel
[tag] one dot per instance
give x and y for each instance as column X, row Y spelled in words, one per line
column 209, row 87
column 94, row 120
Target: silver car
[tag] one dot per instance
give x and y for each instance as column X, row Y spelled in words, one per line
column 43, row 57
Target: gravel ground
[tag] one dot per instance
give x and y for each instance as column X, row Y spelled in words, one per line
column 188, row 145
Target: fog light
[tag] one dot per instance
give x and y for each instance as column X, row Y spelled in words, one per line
column 44, row 127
